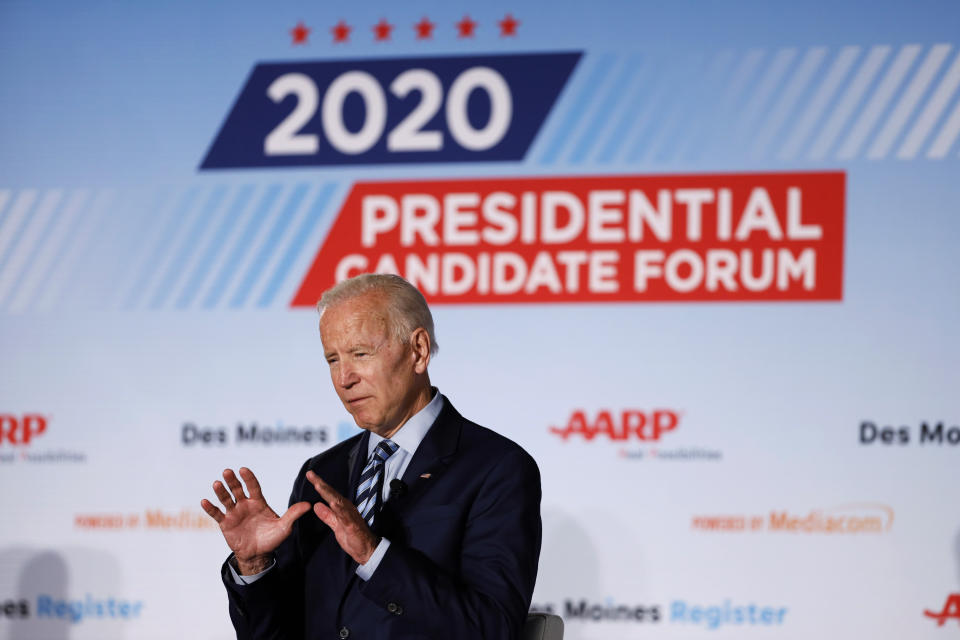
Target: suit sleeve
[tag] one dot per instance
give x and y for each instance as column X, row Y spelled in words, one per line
column 490, row 594
column 271, row 607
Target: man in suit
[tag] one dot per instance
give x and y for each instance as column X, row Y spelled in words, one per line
column 426, row 525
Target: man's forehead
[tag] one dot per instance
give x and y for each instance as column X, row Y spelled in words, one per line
column 361, row 314
column 369, row 302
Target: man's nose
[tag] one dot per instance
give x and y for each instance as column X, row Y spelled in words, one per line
column 347, row 376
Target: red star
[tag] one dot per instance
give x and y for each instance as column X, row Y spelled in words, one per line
column 424, row 29
column 508, row 26
column 381, row 30
column 341, row 32
column 466, row 27
column 300, row 33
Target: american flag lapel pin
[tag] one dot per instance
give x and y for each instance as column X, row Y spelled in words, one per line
column 425, row 476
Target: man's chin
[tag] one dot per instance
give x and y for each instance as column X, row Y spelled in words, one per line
column 364, row 422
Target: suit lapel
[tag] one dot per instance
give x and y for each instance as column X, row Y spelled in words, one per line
column 355, row 463
column 345, row 482
column 341, row 474
column 432, row 456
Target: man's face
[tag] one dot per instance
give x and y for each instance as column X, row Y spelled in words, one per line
column 374, row 375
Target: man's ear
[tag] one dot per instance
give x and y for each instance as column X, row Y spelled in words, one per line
column 420, row 345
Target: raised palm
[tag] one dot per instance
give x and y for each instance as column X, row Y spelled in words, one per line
column 250, row 527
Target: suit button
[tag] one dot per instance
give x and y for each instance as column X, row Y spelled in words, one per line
column 344, row 632
column 394, row 608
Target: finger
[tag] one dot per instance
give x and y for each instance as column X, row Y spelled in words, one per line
column 223, row 495
column 294, row 512
column 328, row 493
column 211, row 510
column 326, row 515
column 234, row 483
column 253, row 485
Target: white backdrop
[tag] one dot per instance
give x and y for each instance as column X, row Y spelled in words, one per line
column 155, row 293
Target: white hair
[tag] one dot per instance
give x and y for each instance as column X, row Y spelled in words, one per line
column 406, row 307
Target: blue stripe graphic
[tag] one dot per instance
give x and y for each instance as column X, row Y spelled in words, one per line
column 810, row 67
column 134, row 236
column 73, row 286
column 187, row 246
column 635, row 139
column 675, row 120
column 35, row 251
column 696, row 134
column 269, row 247
column 614, row 96
column 639, row 93
column 243, row 243
column 822, row 101
column 44, row 280
column 18, row 234
column 6, row 207
column 213, row 247
column 166, row 236
column 763, row 93
column 633, row 84
column 300, row 238
column 585, row 94
column 93, row 281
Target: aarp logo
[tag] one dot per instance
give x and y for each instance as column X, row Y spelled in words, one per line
column 619, row 426
column 21, row 429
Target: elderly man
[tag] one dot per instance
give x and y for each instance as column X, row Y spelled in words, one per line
column 426, row 525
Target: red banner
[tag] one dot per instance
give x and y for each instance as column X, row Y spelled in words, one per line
column 733, row 237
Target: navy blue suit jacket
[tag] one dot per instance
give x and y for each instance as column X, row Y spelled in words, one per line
column 464, row 545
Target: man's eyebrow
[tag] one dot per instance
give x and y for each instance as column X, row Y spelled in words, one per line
column 360, row 346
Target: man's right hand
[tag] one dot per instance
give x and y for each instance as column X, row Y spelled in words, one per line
column 251, row 528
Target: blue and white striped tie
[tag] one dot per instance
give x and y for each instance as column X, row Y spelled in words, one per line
column 370, row 490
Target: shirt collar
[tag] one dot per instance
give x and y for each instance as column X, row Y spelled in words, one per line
column 411, row 434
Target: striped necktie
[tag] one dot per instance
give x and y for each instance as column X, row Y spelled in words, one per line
column 370, row 489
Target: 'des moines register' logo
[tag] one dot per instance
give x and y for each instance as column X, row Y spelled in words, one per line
column 608, row 610
column 279, row 433
column 46, row 607
column 712, row 615
column 629, row 426
column 925, row 433
column 17, row 435
column 951, row 610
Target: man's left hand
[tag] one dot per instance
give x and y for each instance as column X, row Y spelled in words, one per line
column 352, row 533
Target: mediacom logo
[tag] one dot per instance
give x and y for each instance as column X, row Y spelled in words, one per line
column 951, row 609
column 17, row 433
column 633, row 425
column 150, row 519
column 849, row 519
